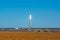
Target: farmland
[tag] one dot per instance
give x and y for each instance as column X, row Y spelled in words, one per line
column 29, row 35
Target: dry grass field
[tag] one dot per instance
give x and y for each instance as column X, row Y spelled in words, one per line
column 29, row 35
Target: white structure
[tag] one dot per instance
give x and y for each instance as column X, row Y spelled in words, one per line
column 30, row 21
column 16, row 28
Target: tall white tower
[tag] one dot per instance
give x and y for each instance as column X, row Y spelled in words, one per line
column 30, row 21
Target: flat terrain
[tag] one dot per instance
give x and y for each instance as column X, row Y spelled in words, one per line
column 29, row 35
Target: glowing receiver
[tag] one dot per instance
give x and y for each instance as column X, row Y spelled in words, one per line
column 30, row 17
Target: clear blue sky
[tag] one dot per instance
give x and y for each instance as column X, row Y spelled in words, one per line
column 45, row 13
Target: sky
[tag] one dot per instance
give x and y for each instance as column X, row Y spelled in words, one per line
column 15, row 13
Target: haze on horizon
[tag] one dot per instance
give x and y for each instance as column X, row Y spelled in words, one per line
column 45, row 13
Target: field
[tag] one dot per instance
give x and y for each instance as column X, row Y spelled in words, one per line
column 29, row 35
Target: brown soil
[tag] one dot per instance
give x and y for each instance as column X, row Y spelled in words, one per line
column 29, row 35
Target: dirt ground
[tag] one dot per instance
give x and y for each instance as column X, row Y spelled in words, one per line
column 29, row 35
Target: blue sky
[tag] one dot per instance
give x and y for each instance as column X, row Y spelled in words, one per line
column 15, row 13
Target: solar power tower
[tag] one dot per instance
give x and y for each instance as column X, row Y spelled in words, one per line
column 30, row 21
